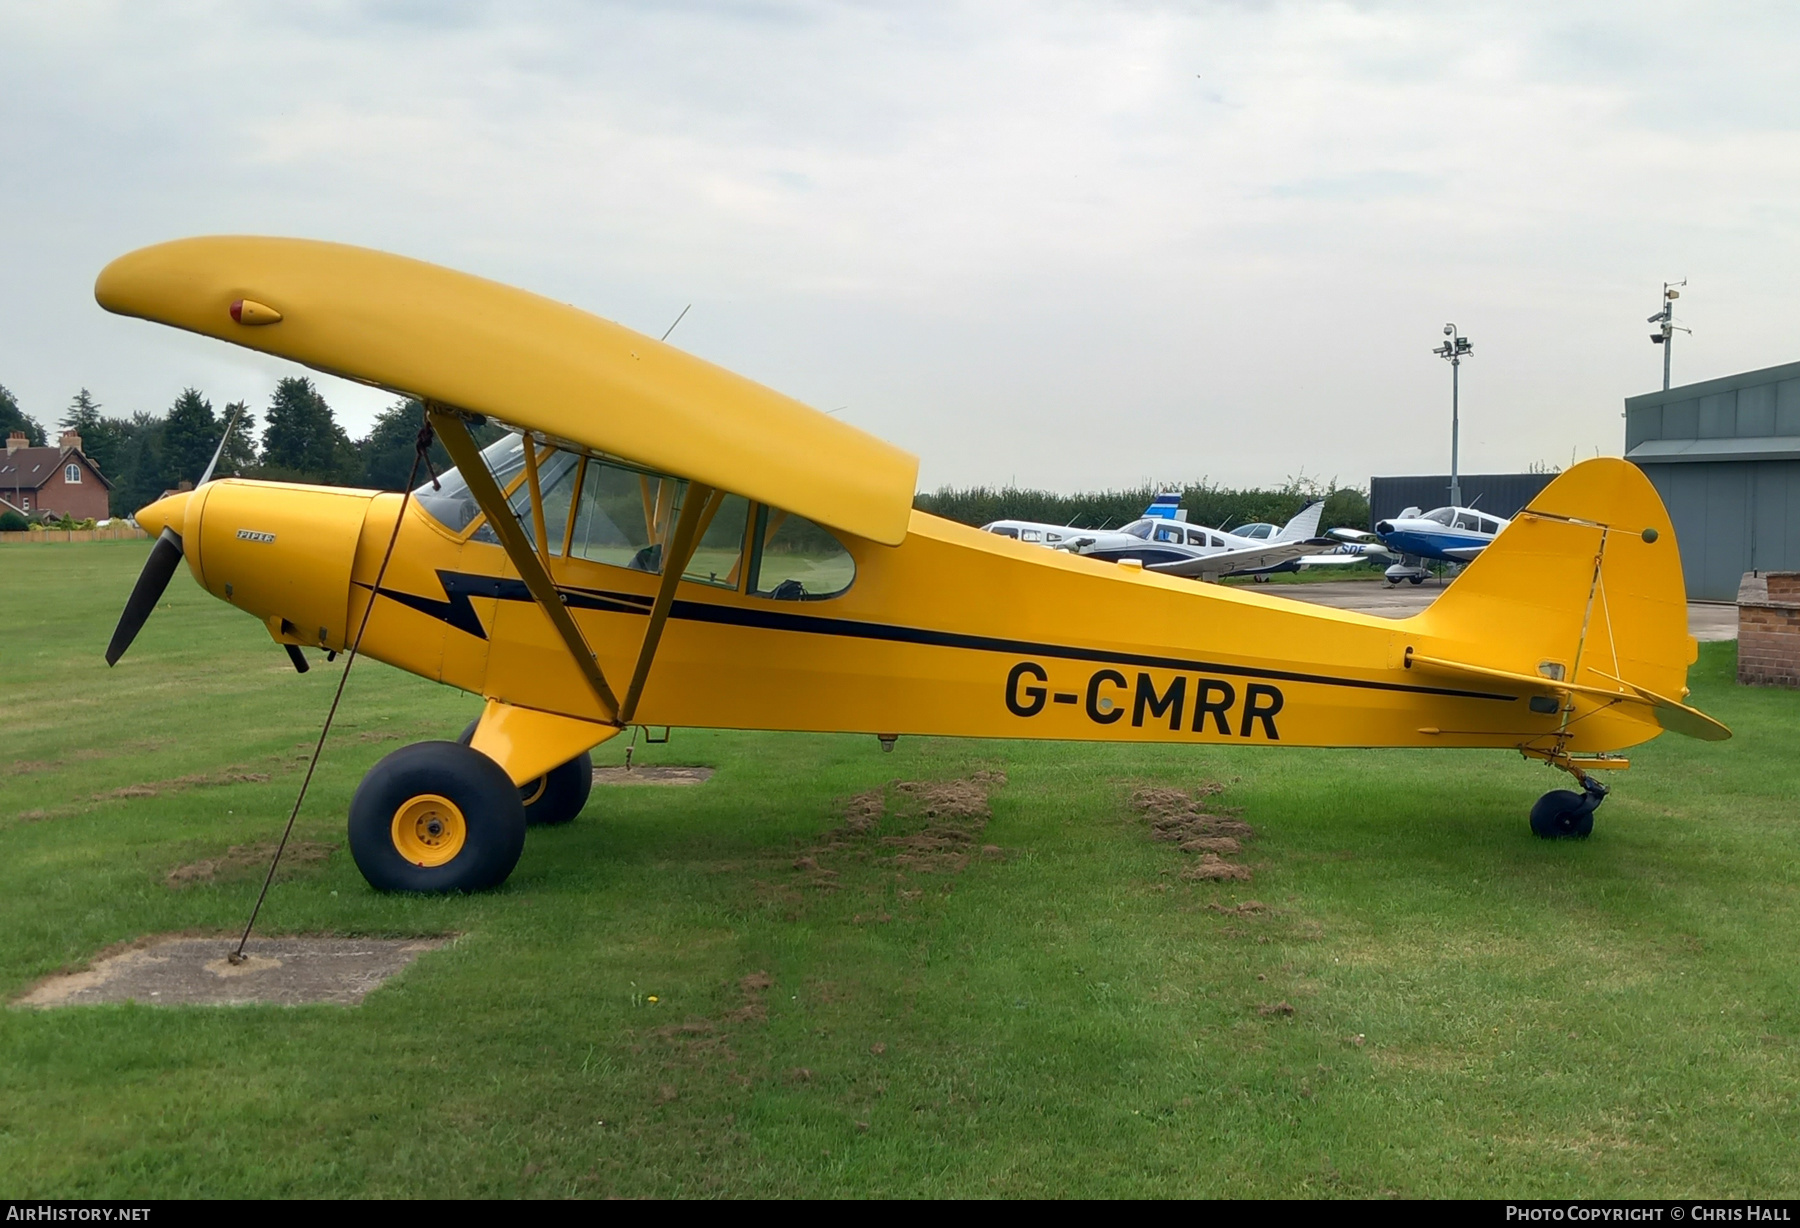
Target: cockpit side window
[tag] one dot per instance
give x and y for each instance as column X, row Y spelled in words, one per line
column 1005, row 531
column 1030, row 535
column 623, row 516
column 793, row 559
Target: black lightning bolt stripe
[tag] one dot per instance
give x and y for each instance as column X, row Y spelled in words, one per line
column 457, row 612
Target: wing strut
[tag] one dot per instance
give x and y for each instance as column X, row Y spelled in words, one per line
column 697, row 510
column 469, row 463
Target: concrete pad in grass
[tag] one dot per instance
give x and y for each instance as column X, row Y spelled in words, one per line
column 186, row 971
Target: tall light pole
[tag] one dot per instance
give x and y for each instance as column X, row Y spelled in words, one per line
column 1665, row 336
column 1454, row 348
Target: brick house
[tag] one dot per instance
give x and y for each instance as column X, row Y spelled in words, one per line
column 61, row 480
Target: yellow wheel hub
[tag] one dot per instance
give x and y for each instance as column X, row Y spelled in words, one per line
column 529, row 793
column 429, row 830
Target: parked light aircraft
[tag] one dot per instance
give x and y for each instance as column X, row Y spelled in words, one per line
column 1162, row 507
column 1175, row 548
column 1444, row 534
column 662, row 542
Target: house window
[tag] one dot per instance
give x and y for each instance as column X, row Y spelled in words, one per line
column 72, row 474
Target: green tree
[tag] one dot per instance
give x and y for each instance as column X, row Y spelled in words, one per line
column 302, row 440
column 240, row 449
column 141, row 477
column 298, row 435
column 190, row 435
column 387, row 452
column 12, row 418
column 103, row 439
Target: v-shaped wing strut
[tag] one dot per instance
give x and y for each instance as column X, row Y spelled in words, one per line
column 469, row 463
column 697, row 510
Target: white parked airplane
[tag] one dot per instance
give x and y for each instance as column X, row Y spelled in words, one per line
column 1174, row 548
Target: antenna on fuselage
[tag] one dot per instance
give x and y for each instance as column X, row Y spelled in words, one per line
column 678, row 319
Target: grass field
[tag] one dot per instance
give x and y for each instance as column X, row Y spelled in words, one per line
column 660, row 1002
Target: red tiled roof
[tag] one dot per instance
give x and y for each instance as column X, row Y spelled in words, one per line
column 30, row 468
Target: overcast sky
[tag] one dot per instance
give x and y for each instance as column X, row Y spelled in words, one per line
column 1068, row 245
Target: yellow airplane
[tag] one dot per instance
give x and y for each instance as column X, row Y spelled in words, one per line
column 660, row 542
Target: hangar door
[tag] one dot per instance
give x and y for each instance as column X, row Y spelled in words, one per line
column 1731, row 517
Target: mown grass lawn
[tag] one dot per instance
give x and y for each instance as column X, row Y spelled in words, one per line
column 1474, row 1012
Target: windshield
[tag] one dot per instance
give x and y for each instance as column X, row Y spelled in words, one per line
column 1442, row 515
column 451, row 504
column 1140, row 528
column 1259, row 530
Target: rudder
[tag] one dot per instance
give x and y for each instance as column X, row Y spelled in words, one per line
column 1587, row 577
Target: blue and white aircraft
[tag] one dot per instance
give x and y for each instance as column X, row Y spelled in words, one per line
column 1444, row 534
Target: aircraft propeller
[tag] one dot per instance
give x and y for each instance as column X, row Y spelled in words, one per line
column 159, row 569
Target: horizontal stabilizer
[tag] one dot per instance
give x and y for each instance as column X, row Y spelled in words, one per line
column 1671, row 715
column 1675, row 716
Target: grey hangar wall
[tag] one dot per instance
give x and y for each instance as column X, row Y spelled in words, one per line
column 1725, row 456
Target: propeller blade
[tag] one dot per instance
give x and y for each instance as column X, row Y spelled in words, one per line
column 217, row 453
column 159, row 569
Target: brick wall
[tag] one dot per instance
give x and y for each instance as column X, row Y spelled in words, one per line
column 1769, row 629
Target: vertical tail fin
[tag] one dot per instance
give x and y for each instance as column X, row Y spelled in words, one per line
column 1164, row 506
column 1584, row 586
column 1305, row 524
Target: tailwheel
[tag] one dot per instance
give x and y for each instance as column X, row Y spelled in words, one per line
column 559, row 794
column 436, row 817
column 1563, row 814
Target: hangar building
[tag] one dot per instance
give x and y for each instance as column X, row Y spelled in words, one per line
column 1498, row 494
column 1725, row 455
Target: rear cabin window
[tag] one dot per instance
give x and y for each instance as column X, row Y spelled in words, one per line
column 793, row 559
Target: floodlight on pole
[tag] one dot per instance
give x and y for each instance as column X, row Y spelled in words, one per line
column 1453, row 349
column 1665, row 335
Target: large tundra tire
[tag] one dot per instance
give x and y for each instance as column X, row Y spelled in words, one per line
column 436, row 817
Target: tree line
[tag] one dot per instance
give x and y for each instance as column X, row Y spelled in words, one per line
column 1218, row 507
column 299, row 440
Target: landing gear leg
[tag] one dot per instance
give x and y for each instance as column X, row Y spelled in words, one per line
column 1563, row 814
column 558, row 795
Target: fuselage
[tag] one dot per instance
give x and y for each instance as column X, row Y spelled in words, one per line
column 1445, row 534
column 953, row 631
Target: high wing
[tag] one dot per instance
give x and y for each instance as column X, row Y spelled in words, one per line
column 1225, row 562
column 484, row 348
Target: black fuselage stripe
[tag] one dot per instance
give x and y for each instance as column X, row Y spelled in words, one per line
column 813, row 624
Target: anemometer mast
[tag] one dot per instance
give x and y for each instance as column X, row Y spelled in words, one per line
column 1665, row 335
column 1454, row 348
